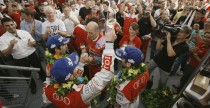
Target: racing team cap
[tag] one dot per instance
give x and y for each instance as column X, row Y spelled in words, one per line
column 63, row 68
column 131, row 54
column 56, row 40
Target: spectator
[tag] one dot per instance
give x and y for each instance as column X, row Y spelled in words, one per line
column 34, row 27
column 72, row 69
column 40, row 15
column 14, row 13
column 106, row 9
column 94, row 13
column 21, row 45
column 162, row 8
column 84, row 11
column 198, row 52
column 52, row 25
column 69, row 19
column 169, row 51
column 74, row 9
column 163, row 19
column 146, row 23
column 198, row 18
column 132, row 38
column 129, row 17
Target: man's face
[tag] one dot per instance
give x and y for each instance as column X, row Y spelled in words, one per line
column 105, row 7
column 73, row 6
column 66, row 11
column 14, row 8
column 198, row 16
column 23, row 16
column 207, row 26
column 41, row 8
column 28, row 18
column 162, row 5
column 92, row 33
column 124, row 64
column 62, row 49
column 94, row 10
column 164, row 15
column 50, row 15
column 10, row 26
column 182, row 35
column 206, row 38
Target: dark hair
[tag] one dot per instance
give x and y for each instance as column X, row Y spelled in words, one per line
column 94, row 19
column 135, row 26
column 28, row 12
column 52, row 51
column 106, row 3
column 6, row 19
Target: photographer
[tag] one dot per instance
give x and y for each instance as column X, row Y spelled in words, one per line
column 163, row 19
column 169, row 51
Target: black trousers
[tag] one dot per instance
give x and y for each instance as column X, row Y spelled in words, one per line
column 31, row 60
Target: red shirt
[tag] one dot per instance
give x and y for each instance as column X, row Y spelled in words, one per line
column 125, row 40
column 81, row 37
column 97, row 46
column 16, row 17
column 71, row 100
column 202, row 50
column 132, row 89
column 127, row 22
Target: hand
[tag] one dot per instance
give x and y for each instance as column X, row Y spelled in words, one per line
column 48, row 30
column 90, row 59
column 83, row 57
column 168, row 36
column 33, row 30
column 110, row 35
column 30, row 43
column 193, row 49
column 13, row 42
column 70, row 18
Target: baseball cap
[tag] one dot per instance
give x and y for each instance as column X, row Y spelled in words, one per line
column 63, row 68
column 186, row 29
column 131, row 54
column 56, row 40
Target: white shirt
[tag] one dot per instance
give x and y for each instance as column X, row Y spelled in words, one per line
column 69, row 23
column 57, row 24
column 158, row 12
column 21, row 48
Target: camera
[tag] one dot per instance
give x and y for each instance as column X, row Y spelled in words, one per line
column 160, row 32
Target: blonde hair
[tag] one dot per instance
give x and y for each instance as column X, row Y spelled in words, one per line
column 49, row 8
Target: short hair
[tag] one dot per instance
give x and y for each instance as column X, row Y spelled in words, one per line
column 6, row 19
column 48, row 8
column 65, row 6
column 92, row 19
column 106, row 3
column 28, row 12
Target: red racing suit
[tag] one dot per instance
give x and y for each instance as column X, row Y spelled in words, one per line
column 82, row 95
column 128, row 92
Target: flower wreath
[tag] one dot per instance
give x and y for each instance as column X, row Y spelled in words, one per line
column 65, row 88
column 123, row 75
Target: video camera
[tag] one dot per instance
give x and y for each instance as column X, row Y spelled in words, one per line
column 160, row 32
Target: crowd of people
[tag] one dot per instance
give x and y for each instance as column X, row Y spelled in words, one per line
column 74, row 39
